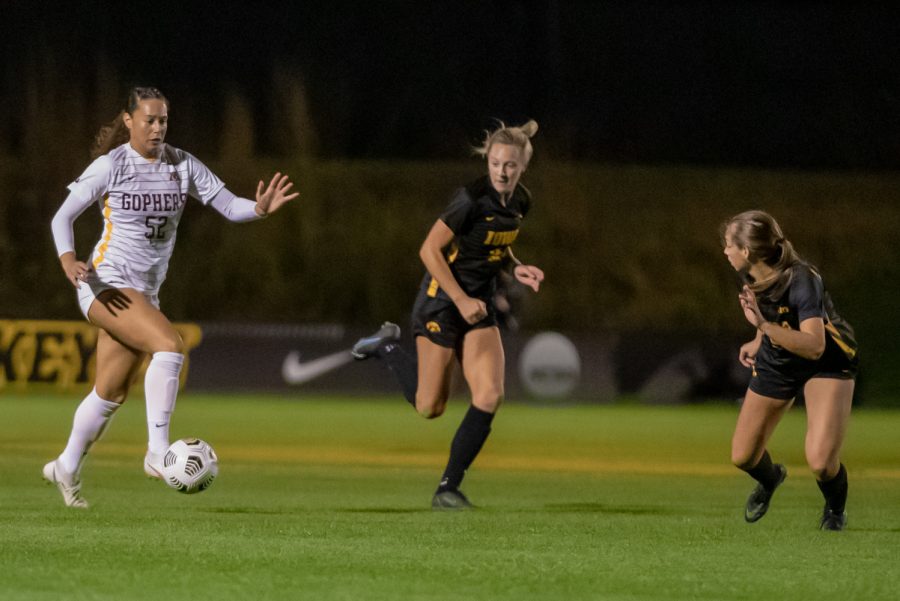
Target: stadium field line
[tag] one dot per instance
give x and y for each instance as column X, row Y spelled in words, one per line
column 500, row 461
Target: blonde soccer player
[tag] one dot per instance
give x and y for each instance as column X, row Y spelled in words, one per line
column 454, row 316
column 141, row 185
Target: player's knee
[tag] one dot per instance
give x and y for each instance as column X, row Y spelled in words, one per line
column 114, row 394
column 489, row 401
column 743, row 459
column 430, row 407
column 430, row 412
column 821, row 466
column 171, row 342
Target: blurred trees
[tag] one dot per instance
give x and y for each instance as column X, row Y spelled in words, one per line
column 625, row 247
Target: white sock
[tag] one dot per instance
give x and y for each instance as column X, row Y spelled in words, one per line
column 161, row 389
column 91, row 419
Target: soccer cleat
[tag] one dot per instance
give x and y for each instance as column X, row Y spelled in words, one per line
column 366, row 347
column 450, row 500
column 68, row 484
column 758, row 501
column 832, row 521
column 153, row 465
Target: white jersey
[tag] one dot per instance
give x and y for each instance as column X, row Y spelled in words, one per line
column 141, row 202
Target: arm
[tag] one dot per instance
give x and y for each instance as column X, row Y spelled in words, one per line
column 234, row 208
column 207, row 187
column 241, row 210
column 432, row 255
column 807, row 342
column 748, row 351
column 529, row 275
column 64, row 237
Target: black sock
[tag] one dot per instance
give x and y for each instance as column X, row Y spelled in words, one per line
column 404, row 368
column 765, row 472
column 467, row 442
column 835, row 491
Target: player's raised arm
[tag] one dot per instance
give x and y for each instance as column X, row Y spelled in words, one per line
column 275, row 195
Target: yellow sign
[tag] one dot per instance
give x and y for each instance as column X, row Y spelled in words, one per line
column 61, row 355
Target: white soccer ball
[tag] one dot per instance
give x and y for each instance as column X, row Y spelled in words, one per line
column 190, row 465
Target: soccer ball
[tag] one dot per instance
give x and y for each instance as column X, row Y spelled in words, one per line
column 190, row 465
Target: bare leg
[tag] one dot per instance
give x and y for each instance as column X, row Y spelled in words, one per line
column 483, row 364
column 757, row 420
column 435, row 369
column 136, row 324
column 828, row 403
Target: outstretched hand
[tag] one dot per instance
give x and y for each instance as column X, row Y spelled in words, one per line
column 271, row 198
column 751, row 307
column 529, row 275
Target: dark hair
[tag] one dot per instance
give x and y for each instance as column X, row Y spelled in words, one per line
column 759, row 233
column 115, row 133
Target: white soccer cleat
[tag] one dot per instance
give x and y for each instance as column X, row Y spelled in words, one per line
column 68, row 484
column 153, row 465
column 368, row 346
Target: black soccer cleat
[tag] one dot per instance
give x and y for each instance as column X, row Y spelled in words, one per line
column 452, row 500
column 832, row 521
column 366, row 347
column 758, row 501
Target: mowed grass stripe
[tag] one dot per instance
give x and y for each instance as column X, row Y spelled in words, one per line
column 690, row 440
column 329, row 499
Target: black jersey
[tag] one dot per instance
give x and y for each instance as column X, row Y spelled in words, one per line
column 484, row 230
column 803, row 298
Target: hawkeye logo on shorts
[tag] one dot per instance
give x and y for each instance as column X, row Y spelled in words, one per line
column 491, row 218
column 433, row 326
column 783, row 310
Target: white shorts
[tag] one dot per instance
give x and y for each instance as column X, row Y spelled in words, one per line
column 90, row 289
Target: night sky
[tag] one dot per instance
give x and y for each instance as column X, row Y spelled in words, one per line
column 768, row 84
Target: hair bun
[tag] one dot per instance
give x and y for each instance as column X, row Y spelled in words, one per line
column 530, row 128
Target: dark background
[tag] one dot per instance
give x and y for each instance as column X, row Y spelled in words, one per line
column 658, row 121
column 771, row 84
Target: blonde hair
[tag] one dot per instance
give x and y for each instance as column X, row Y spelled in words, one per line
column 760, row 234
column 514, row 136
column 115, row 132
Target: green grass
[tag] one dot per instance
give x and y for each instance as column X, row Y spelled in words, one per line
column 329, row 499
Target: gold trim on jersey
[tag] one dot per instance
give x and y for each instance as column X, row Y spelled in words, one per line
column 836, row 336
column 107, row 231
column 433, row 286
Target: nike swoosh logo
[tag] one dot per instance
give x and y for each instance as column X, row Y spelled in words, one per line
column 488, row 218
column 295, row 371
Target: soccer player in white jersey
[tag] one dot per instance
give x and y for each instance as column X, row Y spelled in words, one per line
column 141, row 185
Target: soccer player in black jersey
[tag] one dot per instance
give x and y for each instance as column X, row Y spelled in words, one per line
column 800, row 344
column 454, row 315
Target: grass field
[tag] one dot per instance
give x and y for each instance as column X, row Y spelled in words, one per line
column 322, row 498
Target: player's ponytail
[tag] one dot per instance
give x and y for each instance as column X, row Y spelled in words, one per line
column 514, row 136
column 110, row 135
column 115, row 132
column 759, row 233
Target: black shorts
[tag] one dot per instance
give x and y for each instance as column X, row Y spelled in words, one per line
column 438, row 320
column 769, row 381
